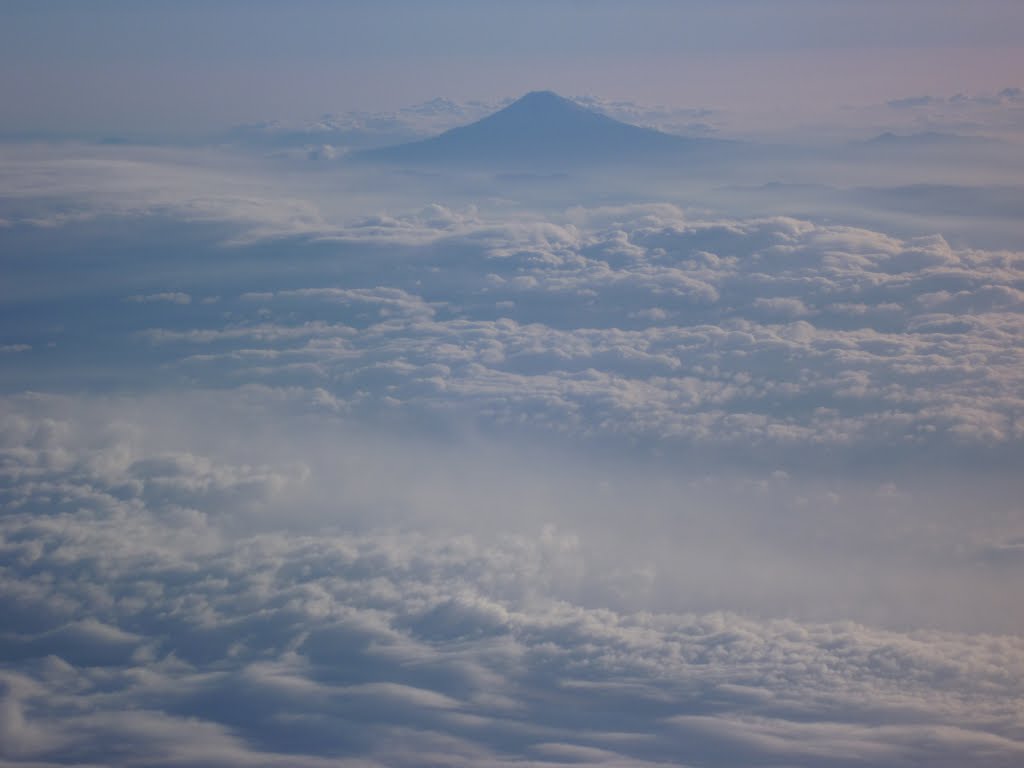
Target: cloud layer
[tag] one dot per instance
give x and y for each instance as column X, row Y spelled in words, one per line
column 737, row 335
column 291, row 476
column 139, row 630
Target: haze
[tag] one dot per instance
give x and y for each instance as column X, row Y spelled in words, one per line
column 487, row 384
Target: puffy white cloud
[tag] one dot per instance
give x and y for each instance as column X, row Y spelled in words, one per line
column 643, row 321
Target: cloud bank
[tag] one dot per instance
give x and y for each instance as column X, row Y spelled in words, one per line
column 143, row 628
column 645, row 322
column 299, row 471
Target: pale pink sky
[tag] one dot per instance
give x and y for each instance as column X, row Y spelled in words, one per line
column 163, row 67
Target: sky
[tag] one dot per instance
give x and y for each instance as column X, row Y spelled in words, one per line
column 706, row 454
column 167, row 68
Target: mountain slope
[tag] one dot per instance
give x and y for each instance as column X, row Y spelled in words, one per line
column 540, row 129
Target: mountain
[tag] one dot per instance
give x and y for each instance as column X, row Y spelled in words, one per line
column 541, row 129
column 928, row 139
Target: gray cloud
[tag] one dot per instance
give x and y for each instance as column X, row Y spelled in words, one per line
column 992, row 114
column 170, row 297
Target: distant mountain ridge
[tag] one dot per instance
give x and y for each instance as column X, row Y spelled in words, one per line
column 926, row 139
column 541, row 129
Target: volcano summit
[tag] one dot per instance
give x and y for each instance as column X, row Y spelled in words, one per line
column 542, row 129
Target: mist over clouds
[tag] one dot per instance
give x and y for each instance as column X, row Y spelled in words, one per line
column 550, row 441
